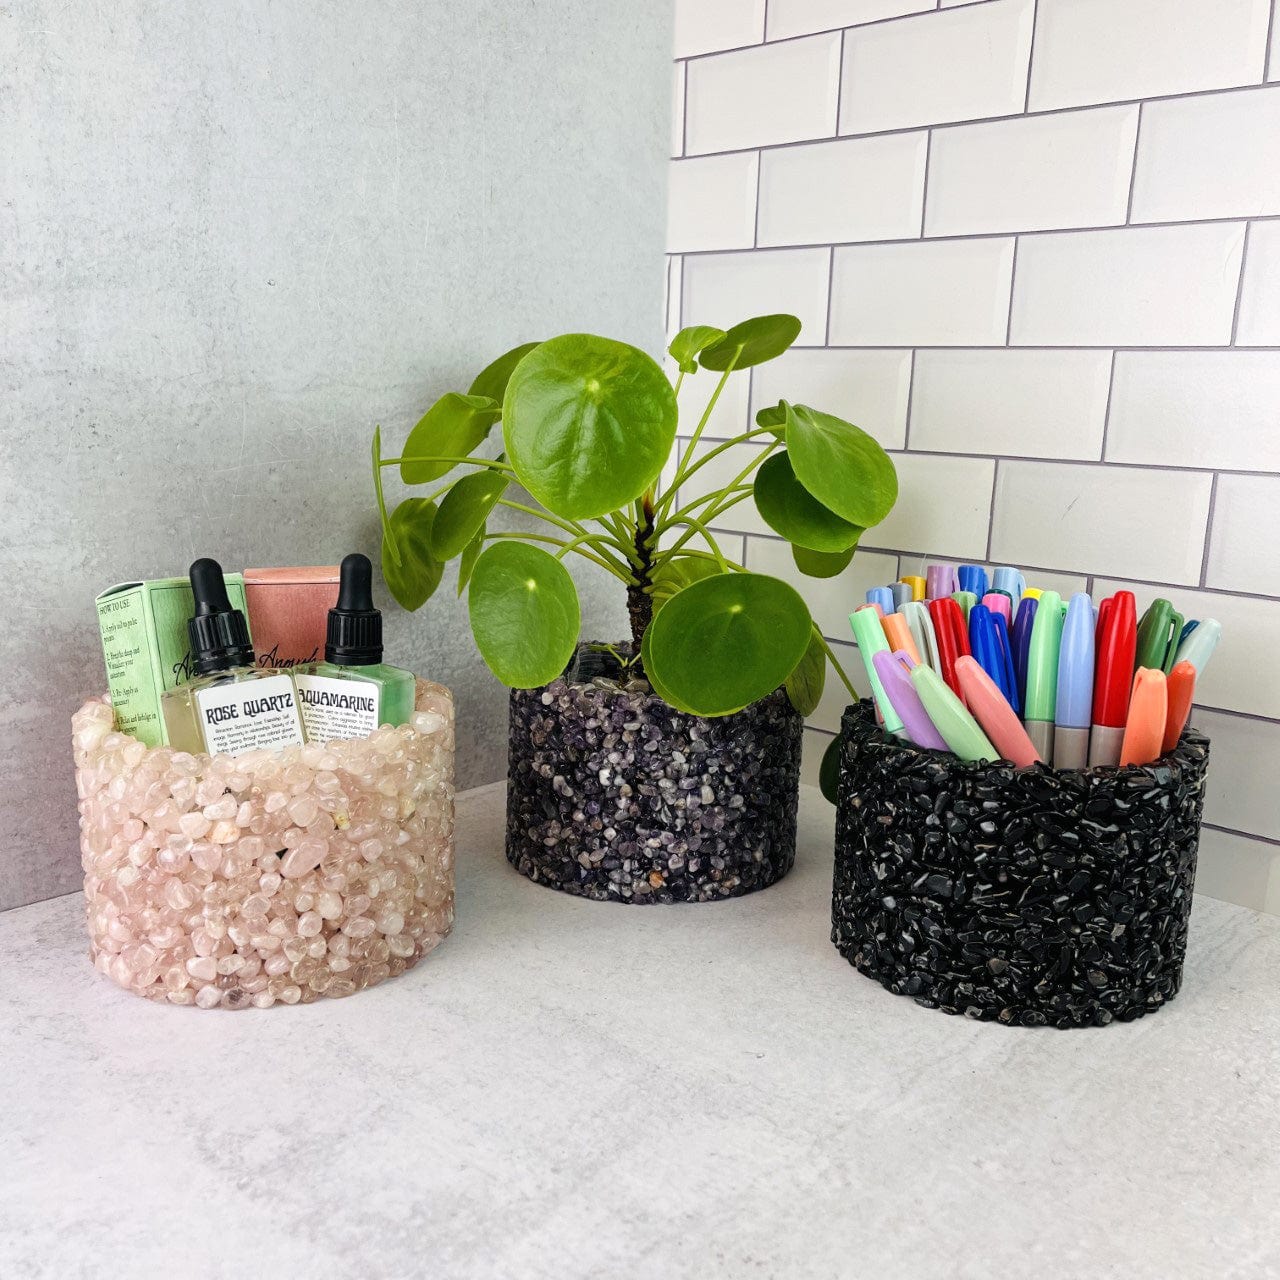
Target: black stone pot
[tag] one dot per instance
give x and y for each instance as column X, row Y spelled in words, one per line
column 613, row 795
column 1027, row 897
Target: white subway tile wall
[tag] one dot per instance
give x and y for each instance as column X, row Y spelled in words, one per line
column 1035, row 246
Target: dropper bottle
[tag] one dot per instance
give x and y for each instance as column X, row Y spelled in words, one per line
column 230, row 706
column 352, row 692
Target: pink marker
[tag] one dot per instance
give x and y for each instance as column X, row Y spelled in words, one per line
column 992, row 711
column 998, row 602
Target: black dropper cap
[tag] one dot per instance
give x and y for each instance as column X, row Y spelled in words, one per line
column 219, row 634
column 354, row 637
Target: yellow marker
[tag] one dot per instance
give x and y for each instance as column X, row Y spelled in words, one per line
column 916, row 585
column 1033, row 592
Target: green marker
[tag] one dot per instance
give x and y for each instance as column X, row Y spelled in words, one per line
column 870, row 636
column 966, row 600
column 960, row 731
column 1042, row 674
column 1158, row 636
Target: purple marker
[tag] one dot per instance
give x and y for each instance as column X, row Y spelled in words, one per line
column 1020, row 642
column 940, row 581
column 894, row 670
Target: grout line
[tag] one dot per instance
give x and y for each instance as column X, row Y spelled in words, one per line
column 755, row 234
column 1005, row 117
column 1031, row 54
column 1013, row 278
column 684, row 116
column 1214, row 826
column 911, row 391
column 1051, row 461
column 1106, row 413
column 924, row 189
column 1133, row 170
column 764, row 24
column 1008, row 234
column 1244, row 258
column 1266, row 55
column 991, row 510
column 1208, row 529
column 1237, row 715
column 831, row 279
column 840, row 86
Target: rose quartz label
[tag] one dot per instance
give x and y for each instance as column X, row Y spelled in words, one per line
column 243, row 717
column 338, row 708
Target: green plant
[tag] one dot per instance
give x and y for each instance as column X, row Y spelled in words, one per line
column 588, row 426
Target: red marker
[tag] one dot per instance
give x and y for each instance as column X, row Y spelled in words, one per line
column 1182, row 687
column 1115, row 647
column 953, row 639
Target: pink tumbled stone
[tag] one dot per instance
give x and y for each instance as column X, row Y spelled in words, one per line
column 276, row 878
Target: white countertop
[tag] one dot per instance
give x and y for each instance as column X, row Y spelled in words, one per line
column 571, row 1088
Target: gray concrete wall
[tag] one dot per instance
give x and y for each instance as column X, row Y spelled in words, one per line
column 235, row 236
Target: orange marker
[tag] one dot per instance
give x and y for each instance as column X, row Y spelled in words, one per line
column 1148, row 707
column 916, row 584
column 899, row 636
column 1181, row 685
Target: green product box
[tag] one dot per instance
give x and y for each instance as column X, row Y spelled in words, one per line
column 145, row 643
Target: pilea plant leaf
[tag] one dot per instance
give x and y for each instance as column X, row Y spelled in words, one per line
column 524, row 613
column 804, row 684
column 451, row 428
column 646, row 660
column 841, row 465
column 676, row 572
column 788, row 508
column 492, row 380
column 774, row 416
column 755, row 341
column 470, row 554
column 724, row 642
column 688, row 342
column 588, row 424
column 464, row 510
column 829, row 771
column 415, row 576
column 821, row 564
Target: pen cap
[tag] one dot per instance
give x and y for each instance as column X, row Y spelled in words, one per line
column 1075, row 664
column 1159, row 630
column 917, row 585
column 881, row 596
column 960, row 730
column 966, row 600
column 1115, row 645
column 999, row 602
column 870, row 637
column 1009, row 580
column 920, row 621
column 894, row 670
column 1198, row 647
column 1148, row 709
column 994, row 714
column 973, row 579
column 898, row 634
column 1042, row 658
column 1180, row 688
column 1020, row 642
column 901, row 593
column 940, row 580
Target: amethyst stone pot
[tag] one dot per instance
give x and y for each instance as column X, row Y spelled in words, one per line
column 1029, row 897
column 613, row 795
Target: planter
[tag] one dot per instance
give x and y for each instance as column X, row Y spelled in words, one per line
column 275, row 876
column 1028, row 897
column 613, row 795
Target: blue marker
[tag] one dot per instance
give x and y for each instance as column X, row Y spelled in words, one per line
column 881, row 596
column 1010, row 581
column 990, row 644
column 973, row 577
column 1074, row 707
column 1020, row 642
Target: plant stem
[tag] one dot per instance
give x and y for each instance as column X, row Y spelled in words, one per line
column 491, row 463
column 613, row 567
column 639, row 596
column 599, row 542
column 696, row 526
column 831, row 658
column 687, row 452
column 387, row 535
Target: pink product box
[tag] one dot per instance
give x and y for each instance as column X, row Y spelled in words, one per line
column 289, row 611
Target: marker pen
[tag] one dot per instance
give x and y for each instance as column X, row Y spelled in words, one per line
column 973, row 579
column 1020, row 642
column 940, row 580
column 920, row 621
column 1075, row 686
column 1116, row 644
column 992, row 711
column 901, row 593
column 870, row 637
column 966, row 600
column 1010, row 581
column 1180, row 687
column 1148, row 708
column 881, row 596
column 1198, row 647
column 959, row 729
column 917, row 585
column 894, row 670
column 898, row 634
column 1042, row 673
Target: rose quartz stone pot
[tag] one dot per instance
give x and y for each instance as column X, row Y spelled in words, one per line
column 271, row 877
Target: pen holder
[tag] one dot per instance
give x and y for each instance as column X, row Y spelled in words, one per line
column 1029, row 897
column 274, row 876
